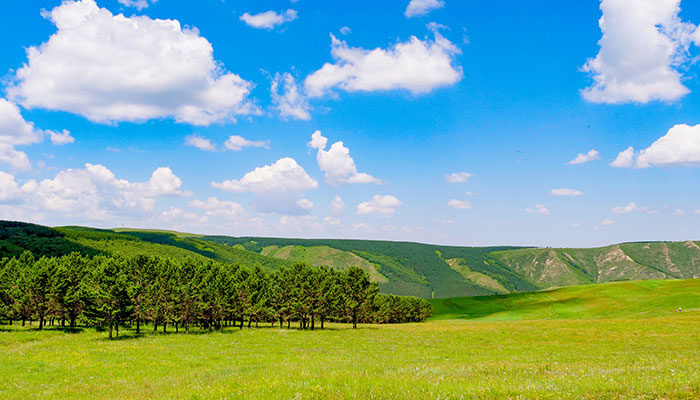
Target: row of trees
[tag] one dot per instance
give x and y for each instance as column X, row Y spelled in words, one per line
column 110, row 292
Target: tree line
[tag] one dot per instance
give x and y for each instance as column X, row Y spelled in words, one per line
column 110, row 291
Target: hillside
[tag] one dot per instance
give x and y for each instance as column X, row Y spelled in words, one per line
column 634, row 299
column 404, row 268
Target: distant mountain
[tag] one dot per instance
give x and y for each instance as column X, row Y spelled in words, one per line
column 399, row 267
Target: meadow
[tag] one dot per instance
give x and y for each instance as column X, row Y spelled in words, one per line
column 635, row 356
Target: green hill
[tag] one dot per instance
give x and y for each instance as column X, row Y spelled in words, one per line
column 404, row 268
column 634, row 299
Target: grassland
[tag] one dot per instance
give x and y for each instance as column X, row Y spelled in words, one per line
column 637, row 349
column 634, row 299
column 657, row 358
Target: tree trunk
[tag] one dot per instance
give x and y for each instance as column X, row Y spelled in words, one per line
column 155, row 325
column 250, row 322
column 187, row 327
column 289, row 324
column 22, row 322
column 41, row 323
column 354, row 319
column 312, row 321
column 116, row 325
column 281, row 322
column 165, row 326
column 138, row 326
column 242, row 318
column 176, row 327
column 110, row 331
column 322, row 319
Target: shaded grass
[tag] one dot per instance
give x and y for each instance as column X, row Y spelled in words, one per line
column 570, row 359
column 634, row 299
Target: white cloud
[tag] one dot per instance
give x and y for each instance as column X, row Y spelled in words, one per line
column 9, row 189
column 379, row 205
column 679, row 147
column 268, row 19
column 607, row 222
column 277, row 187
column 289, row 103
column 697, row 212
column 305, row 204
column 223, row 209
column 628, row 208
column 17, row 160
column 460, row 204
column 421, row 7
column 111, row 68
column 345, row 30
column 539, row 209
column 200, row 142
column 337, row 205
column 237, row 143
column 418, row 66
column 331, row 221
column 679, row 212
column 446, row 221
column 458, row 177
column 585, row 157
column 94, row 193
column 137, row 4
column 565, row 192
column 644, row 44
column 61, row 138
column 336, row 163
column 624, row 159
column 175, row 214
column 14, row 129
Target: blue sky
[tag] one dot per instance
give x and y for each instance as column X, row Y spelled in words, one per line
column 460, row 121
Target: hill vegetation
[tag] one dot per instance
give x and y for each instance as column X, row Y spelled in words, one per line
column 401, row 268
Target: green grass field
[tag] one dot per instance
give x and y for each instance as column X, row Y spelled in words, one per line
column 626, row 353
column 634, row 299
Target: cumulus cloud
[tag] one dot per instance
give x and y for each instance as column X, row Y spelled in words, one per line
column 421, row 7
column 277, row 187
column 137, row 4
column 566, row 192
column 624, row 159
column 268, row 19
column 460, row 204
column 539, row 209
column 345, row 30
column 607, row 222
column 238, row 143
column 337, row 205
column 379, row 205
column 61, row 138
column 9, row 188
column 679, row 147
column 458, row 177
column 290, row 102
column 111, row 68
column 93, row 192
column 336, row 163
column 200, row 142
column 644, row 44
column 418, row 66
column 581, row 158
column 628, row 208
column 213, row 207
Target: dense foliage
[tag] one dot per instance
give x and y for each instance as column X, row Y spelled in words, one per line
column 110, row 292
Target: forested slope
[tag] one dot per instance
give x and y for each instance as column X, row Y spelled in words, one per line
column 403, row 268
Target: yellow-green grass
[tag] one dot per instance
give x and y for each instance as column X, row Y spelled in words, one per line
column 181, row 235
column 632, row 299
column 654, row 358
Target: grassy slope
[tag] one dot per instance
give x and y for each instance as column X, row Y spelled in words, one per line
column 411, row 268
column 324, row 255
column 656, row 358
column 608, row 300
column 562, row 267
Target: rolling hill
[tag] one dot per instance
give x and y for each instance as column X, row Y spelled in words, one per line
column 404, row 268
column 633, row 299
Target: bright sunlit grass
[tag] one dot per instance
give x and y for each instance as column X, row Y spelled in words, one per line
column 612, row 358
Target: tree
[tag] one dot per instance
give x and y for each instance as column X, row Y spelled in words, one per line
column 67, row 287
column 110, row 300
column 358, row 291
